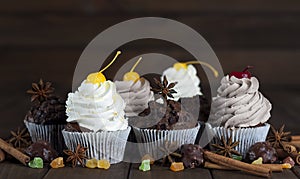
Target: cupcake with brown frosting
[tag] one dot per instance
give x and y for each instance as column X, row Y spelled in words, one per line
column 240, row 110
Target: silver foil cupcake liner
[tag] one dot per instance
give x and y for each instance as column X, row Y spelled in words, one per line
column 152, row 141
column 246, row 136
column 50, row 133
column 109, row 145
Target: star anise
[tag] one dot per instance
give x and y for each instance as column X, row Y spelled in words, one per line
column 19, row 138
column 40, row 91
column 168, row 150
column 76, row 156
column 226, row 148
column 165, row 89
column 278, row 137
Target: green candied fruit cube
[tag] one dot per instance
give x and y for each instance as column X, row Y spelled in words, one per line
column 145, row 165
column 237, row 157
column 37, row 162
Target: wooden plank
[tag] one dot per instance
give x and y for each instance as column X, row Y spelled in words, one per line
column 146, row 6
column 159, row 172
column 296, row 171
column 220, row 30
column 273, row 68
column 115, row 171
column 218, row 174
column 285, row 109
column 19, row 171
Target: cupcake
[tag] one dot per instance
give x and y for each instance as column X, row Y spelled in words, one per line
column 188, row 88
column 164, row 121
column 46, row 118
column 239, row 110
column 188, row 83
column 135, row 91
column 98, row 112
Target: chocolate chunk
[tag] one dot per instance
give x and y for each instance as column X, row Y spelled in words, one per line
column 192, row 155
column 41, row 149
column 261, row 149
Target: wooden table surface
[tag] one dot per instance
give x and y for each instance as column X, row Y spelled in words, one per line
column 126, row 170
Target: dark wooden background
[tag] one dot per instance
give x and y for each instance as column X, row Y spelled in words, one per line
column 45, row 39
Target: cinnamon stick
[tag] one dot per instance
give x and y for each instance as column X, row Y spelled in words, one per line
column 14, row 152
column 238, row 165
column 272, row 167
column 294, row 143
column 2, row 156
column 216, row 166
column 295, row 138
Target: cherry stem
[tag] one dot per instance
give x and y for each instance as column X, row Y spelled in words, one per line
column 247, row 68
column 117, row 54
column 136, row 63
column 216, row 73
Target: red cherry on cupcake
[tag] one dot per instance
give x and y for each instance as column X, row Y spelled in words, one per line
column 244, row 74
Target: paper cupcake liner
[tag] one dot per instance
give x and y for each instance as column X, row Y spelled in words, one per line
column 50, row 133
column 152, row 140
column 109, row 145
column 246, row 136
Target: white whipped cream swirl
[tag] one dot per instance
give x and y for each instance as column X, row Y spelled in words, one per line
column 187, row 81
column 239, row 103
column 135, row 94
column 97, row 107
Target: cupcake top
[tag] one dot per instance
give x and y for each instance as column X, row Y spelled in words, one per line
column 97, row 107
column 239, row 103
column 136, row 95
column 163, row 113
column 46, row 107
column 187, row 81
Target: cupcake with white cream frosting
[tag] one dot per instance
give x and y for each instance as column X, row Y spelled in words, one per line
column 240, row 111
column 97, row 119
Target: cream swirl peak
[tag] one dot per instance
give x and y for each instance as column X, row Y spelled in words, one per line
column 97, row 107
column 136, row 95
column 187, row 81
column 239, row 103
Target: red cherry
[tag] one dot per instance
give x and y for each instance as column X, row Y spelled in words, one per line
column 244, row 74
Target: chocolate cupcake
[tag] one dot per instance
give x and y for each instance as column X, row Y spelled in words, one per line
column 46, row 118
column 164, row 120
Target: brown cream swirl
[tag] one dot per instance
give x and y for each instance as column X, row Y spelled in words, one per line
column 135, row 94
column 239, row 103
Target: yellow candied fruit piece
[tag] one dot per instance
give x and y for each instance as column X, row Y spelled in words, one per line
column 286, row 166
column 131, row 76
column 148, row 157
column 92, row 163
column 179, row 66
column 57, row 163
column 177, row 166
column 103, row 164
column 96, row 78
column 258, row 161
